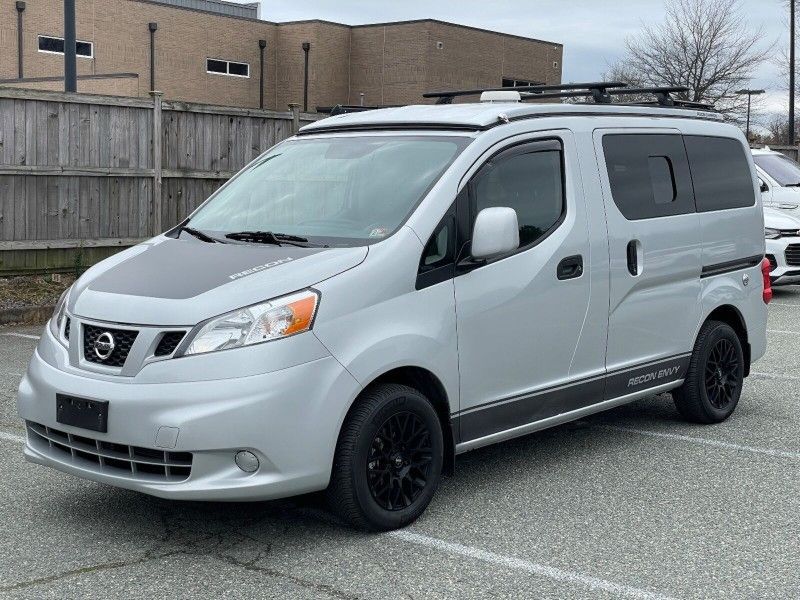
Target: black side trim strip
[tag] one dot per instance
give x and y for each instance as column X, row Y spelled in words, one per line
column 731, row 266
column 509, row 413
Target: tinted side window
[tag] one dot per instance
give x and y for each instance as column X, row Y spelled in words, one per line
column 649, row 175
column 720, row 172
column 529, row 182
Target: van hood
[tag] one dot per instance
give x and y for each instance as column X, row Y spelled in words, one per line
column 168, row 281
column 780, row 219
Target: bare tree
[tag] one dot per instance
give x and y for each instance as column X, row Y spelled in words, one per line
column 704, row 45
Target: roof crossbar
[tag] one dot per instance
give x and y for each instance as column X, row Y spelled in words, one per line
column 601, row 92
column 598, row 90
column 663, row 96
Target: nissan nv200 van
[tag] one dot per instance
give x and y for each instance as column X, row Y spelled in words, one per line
column 390, row 288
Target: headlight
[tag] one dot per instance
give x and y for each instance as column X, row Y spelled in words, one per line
column 771, row 234
column 256, row 324
column 57, row 320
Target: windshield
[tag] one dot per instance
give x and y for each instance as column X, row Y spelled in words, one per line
column 336, row 191
column 782, row 169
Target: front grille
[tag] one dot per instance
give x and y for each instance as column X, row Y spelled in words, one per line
column 66, row 328
column 793, row 255
column 123, row 340
column 109, row 458
column 169, row 342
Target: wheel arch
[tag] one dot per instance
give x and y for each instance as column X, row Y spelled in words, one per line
column 428, row 384
column 729, row 314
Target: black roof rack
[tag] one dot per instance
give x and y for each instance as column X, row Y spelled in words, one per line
column 601, row 92
column 598, row 89
column 343, row 109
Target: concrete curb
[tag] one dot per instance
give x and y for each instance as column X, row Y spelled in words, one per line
column 28, row 315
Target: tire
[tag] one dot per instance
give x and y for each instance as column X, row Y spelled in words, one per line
column 388, row 459
column 714, row 380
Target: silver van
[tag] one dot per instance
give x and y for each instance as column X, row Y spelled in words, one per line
column 390, row 288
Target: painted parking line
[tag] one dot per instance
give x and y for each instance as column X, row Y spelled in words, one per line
column 783, row 304
column 509, row 562
column 21, row 335
column 518, row 564
column 704, row 441
column 779, row 331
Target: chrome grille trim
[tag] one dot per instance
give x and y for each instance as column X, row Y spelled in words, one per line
column 110, row 458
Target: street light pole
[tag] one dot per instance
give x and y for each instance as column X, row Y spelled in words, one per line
column 791, row 71
column 750, row 94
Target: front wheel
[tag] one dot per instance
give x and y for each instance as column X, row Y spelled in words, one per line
column 713, row 383
column 388, row 459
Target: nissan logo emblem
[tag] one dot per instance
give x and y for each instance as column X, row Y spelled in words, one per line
column 104, row 345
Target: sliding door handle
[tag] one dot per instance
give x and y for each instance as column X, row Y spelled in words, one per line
column 633, row 257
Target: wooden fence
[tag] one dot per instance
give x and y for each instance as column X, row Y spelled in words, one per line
column 82, row 176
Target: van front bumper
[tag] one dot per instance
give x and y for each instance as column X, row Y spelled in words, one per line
column 289, row 419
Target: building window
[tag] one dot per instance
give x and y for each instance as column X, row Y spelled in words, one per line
column 508, row 82
column 55, row 45
column 227, row 67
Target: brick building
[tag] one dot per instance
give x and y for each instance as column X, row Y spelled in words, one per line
column 210, row 51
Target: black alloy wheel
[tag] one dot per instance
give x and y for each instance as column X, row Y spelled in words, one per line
column 713, row 382
column 399, row 461
column 388, row 459
column 723, row 376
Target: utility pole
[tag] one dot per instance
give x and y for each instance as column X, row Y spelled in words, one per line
column 306, row 48
column 792, row 8
column 20, row 10
column 262, row 44
column 750, row 94
column 70, row 61
column 152, row 27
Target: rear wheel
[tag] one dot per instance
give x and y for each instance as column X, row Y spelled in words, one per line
column 713, row 383
column 388, row 460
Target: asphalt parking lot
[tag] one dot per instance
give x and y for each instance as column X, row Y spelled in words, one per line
column 631, row 503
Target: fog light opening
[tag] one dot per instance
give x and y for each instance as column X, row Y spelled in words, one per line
column 246, row 461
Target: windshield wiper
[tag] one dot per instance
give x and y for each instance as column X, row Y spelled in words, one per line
column 797, row 184
column 268, row 237
column 200, row 235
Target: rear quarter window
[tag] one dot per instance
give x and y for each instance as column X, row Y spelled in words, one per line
column 720, row 172
column 649, row 175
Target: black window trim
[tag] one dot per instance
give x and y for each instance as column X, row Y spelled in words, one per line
column 428, row 276
column 529, row 146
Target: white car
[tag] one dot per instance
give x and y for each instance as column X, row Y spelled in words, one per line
column 779, row 179
column 782, row 232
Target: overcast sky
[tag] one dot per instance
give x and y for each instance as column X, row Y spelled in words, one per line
column 593, row 32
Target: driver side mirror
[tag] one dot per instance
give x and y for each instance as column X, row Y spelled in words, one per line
column 763, row 186
column 496, row 232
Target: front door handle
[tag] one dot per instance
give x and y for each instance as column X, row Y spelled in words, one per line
column 570, row 267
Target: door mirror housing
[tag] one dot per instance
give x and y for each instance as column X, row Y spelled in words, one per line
column 496, row 232
column 762, row 186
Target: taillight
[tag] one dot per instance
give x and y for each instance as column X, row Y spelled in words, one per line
column 765, row 269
